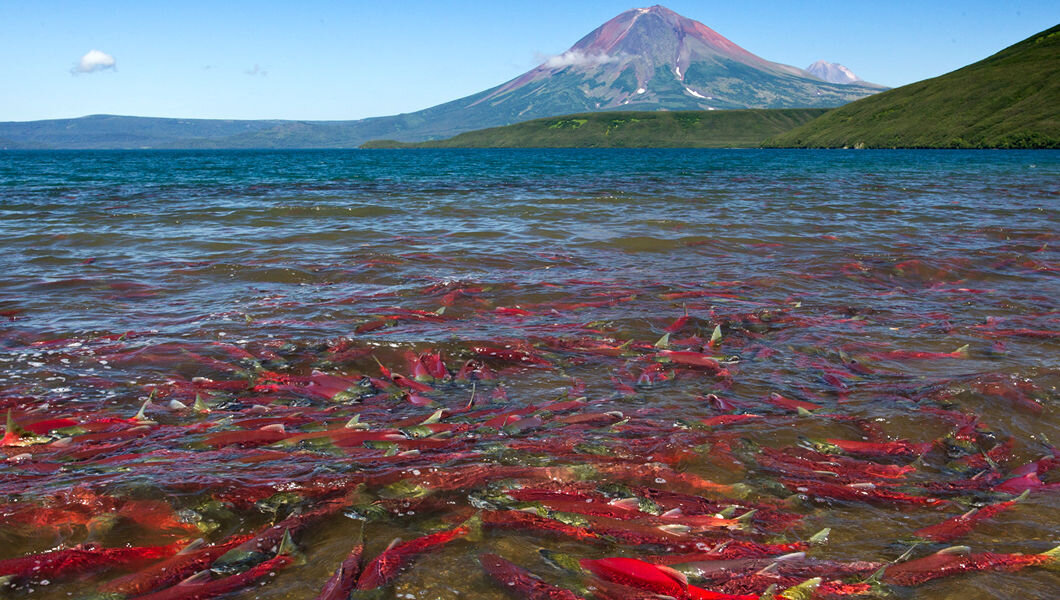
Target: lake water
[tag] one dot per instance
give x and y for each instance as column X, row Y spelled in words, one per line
column 287, row 290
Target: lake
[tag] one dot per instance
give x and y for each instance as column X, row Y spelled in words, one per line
column 593, row 353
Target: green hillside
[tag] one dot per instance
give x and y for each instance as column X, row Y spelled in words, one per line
column 1009, row 100
column 639, row 129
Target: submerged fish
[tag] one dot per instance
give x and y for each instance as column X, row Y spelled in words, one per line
column 521, row 583
column 960, row 559
column 385, row 567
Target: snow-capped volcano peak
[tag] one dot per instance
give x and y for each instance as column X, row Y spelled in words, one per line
column 832, row 72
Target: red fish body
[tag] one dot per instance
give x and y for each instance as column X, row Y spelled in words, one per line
column 341, row 584
column 961, row 525
column 171, row 570
column 193, row 589
column 515, row 519
column 81, row 559
column 691, row 359
column 791, row 404
column 954, row 561
column 511, row 355
column 881, row 449
column 639, row 574
column 520, row 582
column 791, row 565
column 385, row 567
column 860, row 493
column 961, row 352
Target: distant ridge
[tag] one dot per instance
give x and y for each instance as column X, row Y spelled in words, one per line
column 1009, row 100
column 744, row 128
column 643, row 59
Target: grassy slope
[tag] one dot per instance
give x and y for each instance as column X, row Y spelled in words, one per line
column 1009, row 100
column 678, row 129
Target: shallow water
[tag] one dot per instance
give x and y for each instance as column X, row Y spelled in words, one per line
column 171, row 275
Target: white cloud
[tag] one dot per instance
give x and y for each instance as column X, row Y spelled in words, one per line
column 93, row 61
column 577, row 58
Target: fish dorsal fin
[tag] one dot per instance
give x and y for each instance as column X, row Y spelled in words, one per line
column 720, row 547
column 675, row 528
column 192, row 547
column 863, row 485
column 791, row 556
column 820, row 537
column 435, row 417
column 286, row 544
column 393, row 542
column 673, row 513
column 13, row 427
column 199, row 578
column 727, row 512
column 958, row 550
column 627, row 503
column 768, row 569
column 674, row 574
column 715, row 335
column 664, row 341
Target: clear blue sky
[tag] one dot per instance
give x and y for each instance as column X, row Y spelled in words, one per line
column 322, row 59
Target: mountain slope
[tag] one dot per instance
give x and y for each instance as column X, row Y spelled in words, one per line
column 621, row 129
column 111, row 131
column 1009, row 100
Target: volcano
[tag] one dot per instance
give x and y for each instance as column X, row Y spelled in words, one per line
column 655, row 59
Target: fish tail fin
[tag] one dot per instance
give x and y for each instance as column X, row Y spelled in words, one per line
column 876, row 577
column 802, row 591
column 740, row 490
column 474, row 528
column 561, row 562
column 1052, row 559
column 141, row 415
column 769, row 593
